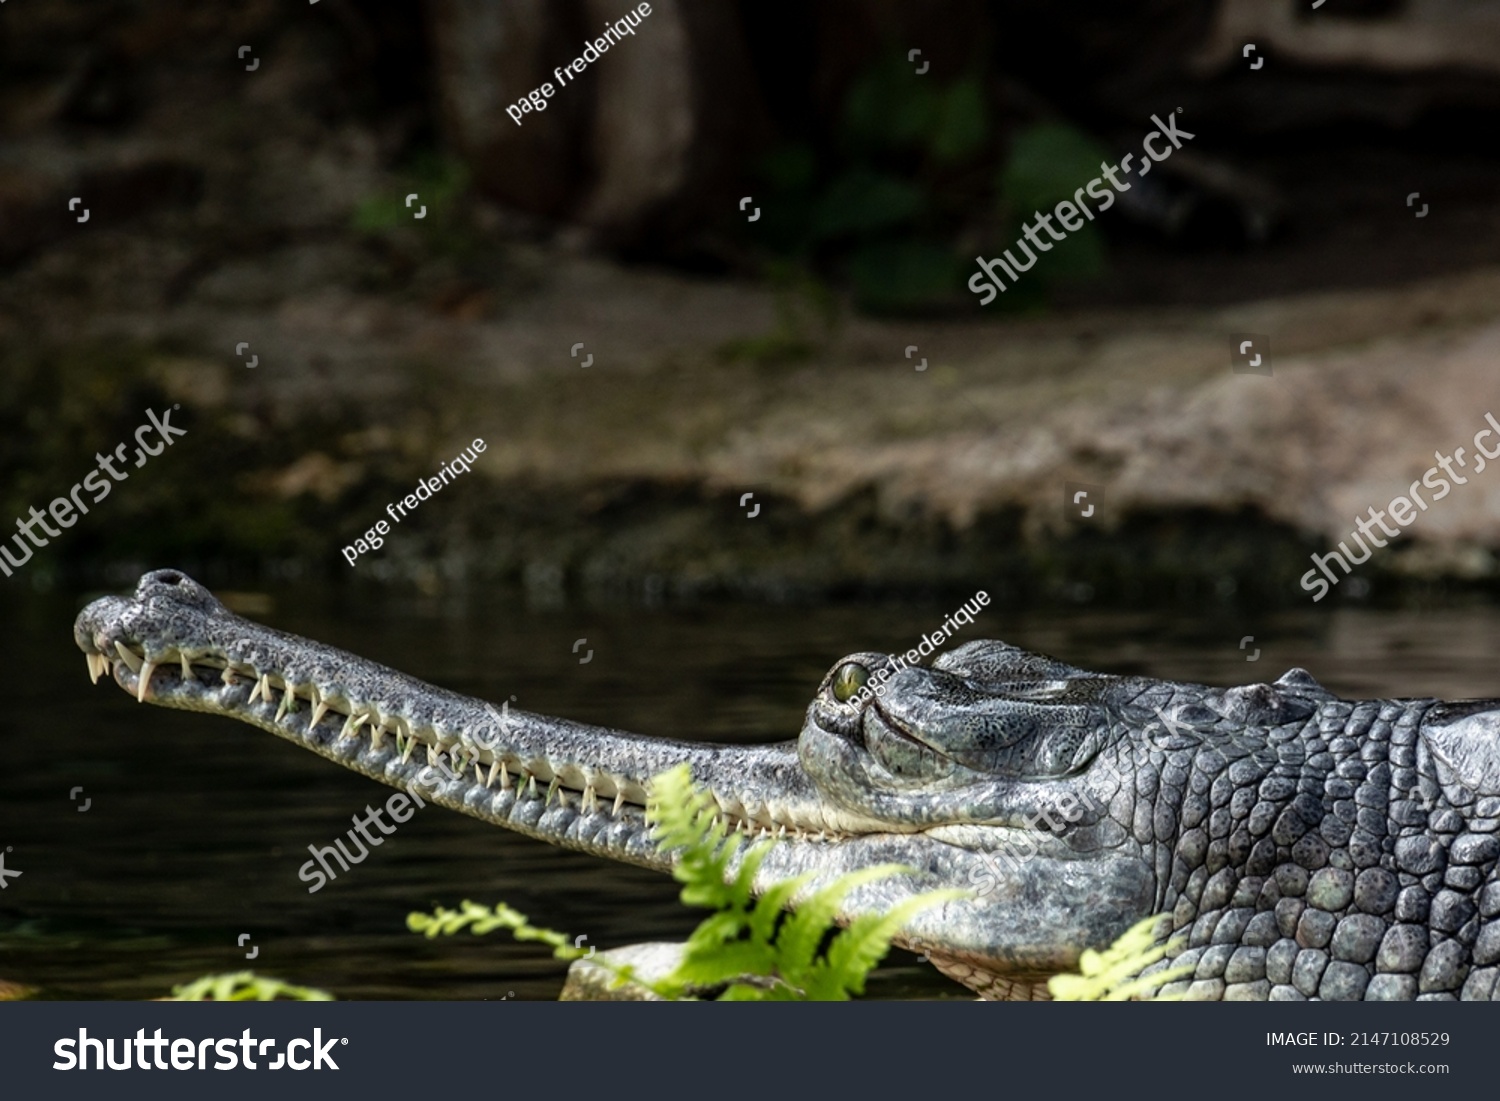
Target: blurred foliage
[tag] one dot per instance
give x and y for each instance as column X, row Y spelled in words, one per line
column 885, row 203
column 1048, row 163
column 440, row 183
column 244, row 986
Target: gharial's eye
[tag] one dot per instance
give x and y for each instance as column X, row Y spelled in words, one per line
column 850, row 678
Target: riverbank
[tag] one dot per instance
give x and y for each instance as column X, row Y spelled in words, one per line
column 627, row 475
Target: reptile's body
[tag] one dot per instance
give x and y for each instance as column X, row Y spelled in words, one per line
column 1307, row 846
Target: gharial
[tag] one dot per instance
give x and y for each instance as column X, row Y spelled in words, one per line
column 1305, row 846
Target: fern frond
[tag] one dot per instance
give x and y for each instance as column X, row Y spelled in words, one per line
column 482, row 919
column 771, row 905
column 746, row 945
column 857, row 949
column 244, row 986
column 1114, row 975
column 803, row 931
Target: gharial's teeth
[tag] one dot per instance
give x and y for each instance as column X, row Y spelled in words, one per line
column 495, row 766
column 588, row 800
column 187, row 667
column 147, row 668
column 551, row 789
column 351, row 726
column 227, row 676
column 504, row 777
column 619, row 801
column 93, row 669
column 377, row 736
column 411, row 745
column 319, row 710
column 478, row 773
column 281, row 711
column 531, row 787
column 129, row 657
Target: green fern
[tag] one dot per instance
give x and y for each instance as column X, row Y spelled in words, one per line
column 749, row 939
column 1114, row 975
column 244, row 986
column 480, row 920
column 747, row 946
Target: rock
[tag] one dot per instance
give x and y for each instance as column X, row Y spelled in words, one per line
column 589, row 982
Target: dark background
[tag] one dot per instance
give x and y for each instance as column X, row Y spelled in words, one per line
column 266, row 207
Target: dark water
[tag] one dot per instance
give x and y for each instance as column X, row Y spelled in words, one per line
column 196, row 826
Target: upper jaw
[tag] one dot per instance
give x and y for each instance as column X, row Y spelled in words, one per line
column 173, row 644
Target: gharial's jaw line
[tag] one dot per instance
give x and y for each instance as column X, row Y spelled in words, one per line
column 347, row 730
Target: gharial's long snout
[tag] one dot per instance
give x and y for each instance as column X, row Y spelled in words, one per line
column 175, row 645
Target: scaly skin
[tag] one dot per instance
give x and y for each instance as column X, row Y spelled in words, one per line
column 1306, row 846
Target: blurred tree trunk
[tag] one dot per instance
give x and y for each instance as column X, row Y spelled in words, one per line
column 679, row 114
column 647, row 142
column 486, row 56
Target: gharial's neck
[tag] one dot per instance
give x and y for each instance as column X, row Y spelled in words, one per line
column 1255, row 822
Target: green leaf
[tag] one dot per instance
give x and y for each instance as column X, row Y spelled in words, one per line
column 773, row 903
column 803, row 931
column 1047, row 164
column 719, row 928
column 1103, row 975
column 743, row 992
column 244, row 986
column 725, row 963
column 891, row 276
column 962, row 124
column 887, row 110
column 790, row 168
column 857, row 949
column 864, row 201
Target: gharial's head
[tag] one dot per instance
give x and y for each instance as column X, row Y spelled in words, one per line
column 1061, row 788
column 980, row 737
